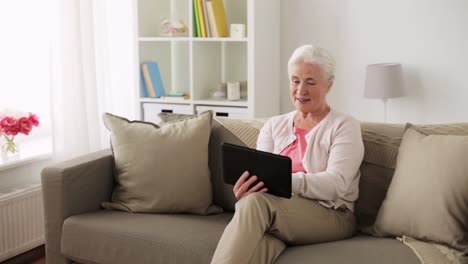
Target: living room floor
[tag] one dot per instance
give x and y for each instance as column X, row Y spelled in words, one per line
column 33, row 256
column 40, row 261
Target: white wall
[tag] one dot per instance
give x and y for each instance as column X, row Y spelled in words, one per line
column 429, row 38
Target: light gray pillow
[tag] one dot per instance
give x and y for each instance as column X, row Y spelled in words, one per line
column 428, row 196
column 161, row 169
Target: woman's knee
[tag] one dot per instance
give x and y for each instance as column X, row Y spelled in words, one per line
column 256, row 201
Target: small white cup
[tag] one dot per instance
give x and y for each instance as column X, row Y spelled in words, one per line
column 233, row 91
column 237, row 30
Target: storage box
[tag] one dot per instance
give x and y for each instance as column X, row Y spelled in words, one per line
column 151, row 111
column 233, row 112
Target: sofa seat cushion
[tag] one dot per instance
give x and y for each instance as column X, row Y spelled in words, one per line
column 121, row 237
column 359, row 249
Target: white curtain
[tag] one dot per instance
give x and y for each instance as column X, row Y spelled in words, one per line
column 82, row 77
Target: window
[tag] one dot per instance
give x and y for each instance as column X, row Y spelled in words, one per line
column 25, row 72
column 25, row 60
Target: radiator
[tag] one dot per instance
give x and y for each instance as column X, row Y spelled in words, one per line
column 21, row 221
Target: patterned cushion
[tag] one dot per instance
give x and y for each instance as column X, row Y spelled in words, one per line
column 381, row 143
column 234, row 131
column 172, row 117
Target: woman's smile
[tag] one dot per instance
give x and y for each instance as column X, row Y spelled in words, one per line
column 302, row 100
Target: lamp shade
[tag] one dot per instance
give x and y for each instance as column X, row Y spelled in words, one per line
column 383, row 80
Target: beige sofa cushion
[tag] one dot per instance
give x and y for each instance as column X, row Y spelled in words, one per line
column 161, row 169
column 381, row 142
column 428, row 196
column 355, row 250
column 124, row 238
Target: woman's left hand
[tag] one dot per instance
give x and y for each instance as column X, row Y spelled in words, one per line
column 242, row 187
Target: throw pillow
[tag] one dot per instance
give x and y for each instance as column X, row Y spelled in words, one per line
column 161, row 169
column 428, row 196
column 167, row 118
column 243, row 132
column 381, row 142
column 235, row 131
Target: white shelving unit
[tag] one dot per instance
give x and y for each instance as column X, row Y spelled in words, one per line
column 197, row 65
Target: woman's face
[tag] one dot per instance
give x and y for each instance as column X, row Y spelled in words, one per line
column 308, row 87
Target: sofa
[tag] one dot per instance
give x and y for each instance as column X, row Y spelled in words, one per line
column 78, row 229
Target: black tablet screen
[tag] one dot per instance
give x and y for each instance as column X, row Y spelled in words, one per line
column 274, row 170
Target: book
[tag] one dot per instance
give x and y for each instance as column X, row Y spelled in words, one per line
column 147, row 81
column 175, row 98
column 175, row 94
column 220, row 17
column 211, row 19
column 207, row 23
column 197, row 19
column 152, row 79
column 201, row 16
column 143, row 88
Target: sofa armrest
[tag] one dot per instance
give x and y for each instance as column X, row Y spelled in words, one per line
column 73, row 187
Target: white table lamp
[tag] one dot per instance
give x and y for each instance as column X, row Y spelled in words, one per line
column 383, row 81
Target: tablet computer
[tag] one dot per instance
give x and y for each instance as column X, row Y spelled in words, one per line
column 274, row 170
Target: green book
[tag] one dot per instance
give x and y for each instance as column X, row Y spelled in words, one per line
column 197, row 19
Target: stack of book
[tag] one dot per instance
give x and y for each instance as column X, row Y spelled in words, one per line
column 175, row 97
column 210, row 19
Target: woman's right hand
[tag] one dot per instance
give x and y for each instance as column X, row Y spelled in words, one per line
column 242, row 187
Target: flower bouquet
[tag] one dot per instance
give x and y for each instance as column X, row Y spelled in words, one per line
column 13, row 123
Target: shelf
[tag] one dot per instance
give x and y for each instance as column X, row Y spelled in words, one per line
column 220, row 39
column 165, row 39
column 162, row 39
column 199, row 66
column 165, row 101
column 240, row 103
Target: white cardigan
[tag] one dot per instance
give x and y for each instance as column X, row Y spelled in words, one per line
column 334, row 153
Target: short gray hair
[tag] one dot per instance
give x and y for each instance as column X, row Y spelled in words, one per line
column 315, row 55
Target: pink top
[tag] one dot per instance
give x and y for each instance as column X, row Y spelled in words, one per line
column 332, row 159
column 297, row 149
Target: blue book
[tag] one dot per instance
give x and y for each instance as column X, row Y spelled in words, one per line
column 143, row 88
column 152, row 79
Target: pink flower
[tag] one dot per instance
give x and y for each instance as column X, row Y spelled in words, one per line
column 25, row 125
column 34, row 119
column 10, row 126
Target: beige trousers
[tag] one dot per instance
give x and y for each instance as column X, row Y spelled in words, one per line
column 264, row 224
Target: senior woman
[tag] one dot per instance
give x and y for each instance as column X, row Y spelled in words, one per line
column 326, row 150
